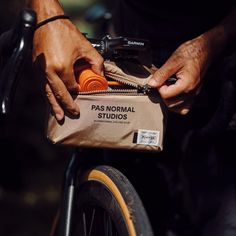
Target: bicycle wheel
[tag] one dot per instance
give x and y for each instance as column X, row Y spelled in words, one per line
column 107, row 204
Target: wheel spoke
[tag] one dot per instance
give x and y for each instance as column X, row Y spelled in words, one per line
column 92, row 220
column 107, row 224
column 102, row 207
column 84, row 224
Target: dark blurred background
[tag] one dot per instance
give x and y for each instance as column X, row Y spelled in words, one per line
column 31, row 169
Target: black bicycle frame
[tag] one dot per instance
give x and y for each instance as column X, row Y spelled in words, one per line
column 15, row 46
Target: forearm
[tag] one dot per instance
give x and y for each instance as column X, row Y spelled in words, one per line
column 45, row 8
column 229, row 25
column 223, row 36
column 219, row 40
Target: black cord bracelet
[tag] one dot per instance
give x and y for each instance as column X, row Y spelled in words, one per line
column 44, row 22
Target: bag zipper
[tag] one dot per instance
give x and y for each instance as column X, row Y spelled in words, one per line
column 135, row 85
column 137, row 89
column 140, row 88
column 114, row 91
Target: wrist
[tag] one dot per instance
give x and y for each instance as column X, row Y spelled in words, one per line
column 230, row 30
column 45, row 8
column 216, row 40
column 51, row 19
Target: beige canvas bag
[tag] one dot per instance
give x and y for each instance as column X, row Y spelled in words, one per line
column 124, row 118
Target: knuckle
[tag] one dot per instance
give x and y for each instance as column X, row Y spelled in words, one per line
column 189, row 88
column 58, row 66
column 99, row 63
column 59, row 94
column 164, row 95
column 100, row 60
column 72, row 87
column 159, row 74
column 49, row 94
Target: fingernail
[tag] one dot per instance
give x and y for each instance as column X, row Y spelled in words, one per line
column 77, row 109
column 153, row 83
column 76, row 112
column 59, row 116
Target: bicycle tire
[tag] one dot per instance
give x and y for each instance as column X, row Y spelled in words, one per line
column 106, row 200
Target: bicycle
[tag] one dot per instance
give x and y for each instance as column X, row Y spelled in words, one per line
column 90, row 183
column 98, row 197
column 16, row 46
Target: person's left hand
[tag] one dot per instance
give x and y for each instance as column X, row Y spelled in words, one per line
column 188, row 64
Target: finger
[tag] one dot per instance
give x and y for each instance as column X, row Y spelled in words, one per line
column 173, row 90
column 98, row 69
column 183, row 107
column 175, row 103
column 58, row 111
column 180, row 103
column 164, row 72
column 96, row 61
column 62, row 95
column 69, row 80
column 179, row 100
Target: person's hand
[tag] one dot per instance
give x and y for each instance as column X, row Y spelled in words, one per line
column 57, row 46
column 188, row 64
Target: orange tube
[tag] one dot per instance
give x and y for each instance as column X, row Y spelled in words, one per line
column 114, row 83
column 90, row 81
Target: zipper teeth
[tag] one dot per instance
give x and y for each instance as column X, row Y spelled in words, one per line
column 114, row 91
column 118, row 91
column 130, row 83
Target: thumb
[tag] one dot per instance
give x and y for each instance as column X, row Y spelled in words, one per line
column 96, row 63
column 97, row 68
column 163, row 73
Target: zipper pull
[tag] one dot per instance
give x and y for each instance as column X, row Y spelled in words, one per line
column 144, row 89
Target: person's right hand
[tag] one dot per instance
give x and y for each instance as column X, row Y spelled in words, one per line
column 57, row 46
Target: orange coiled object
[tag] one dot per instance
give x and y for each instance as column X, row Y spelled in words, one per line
column 90, row 81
